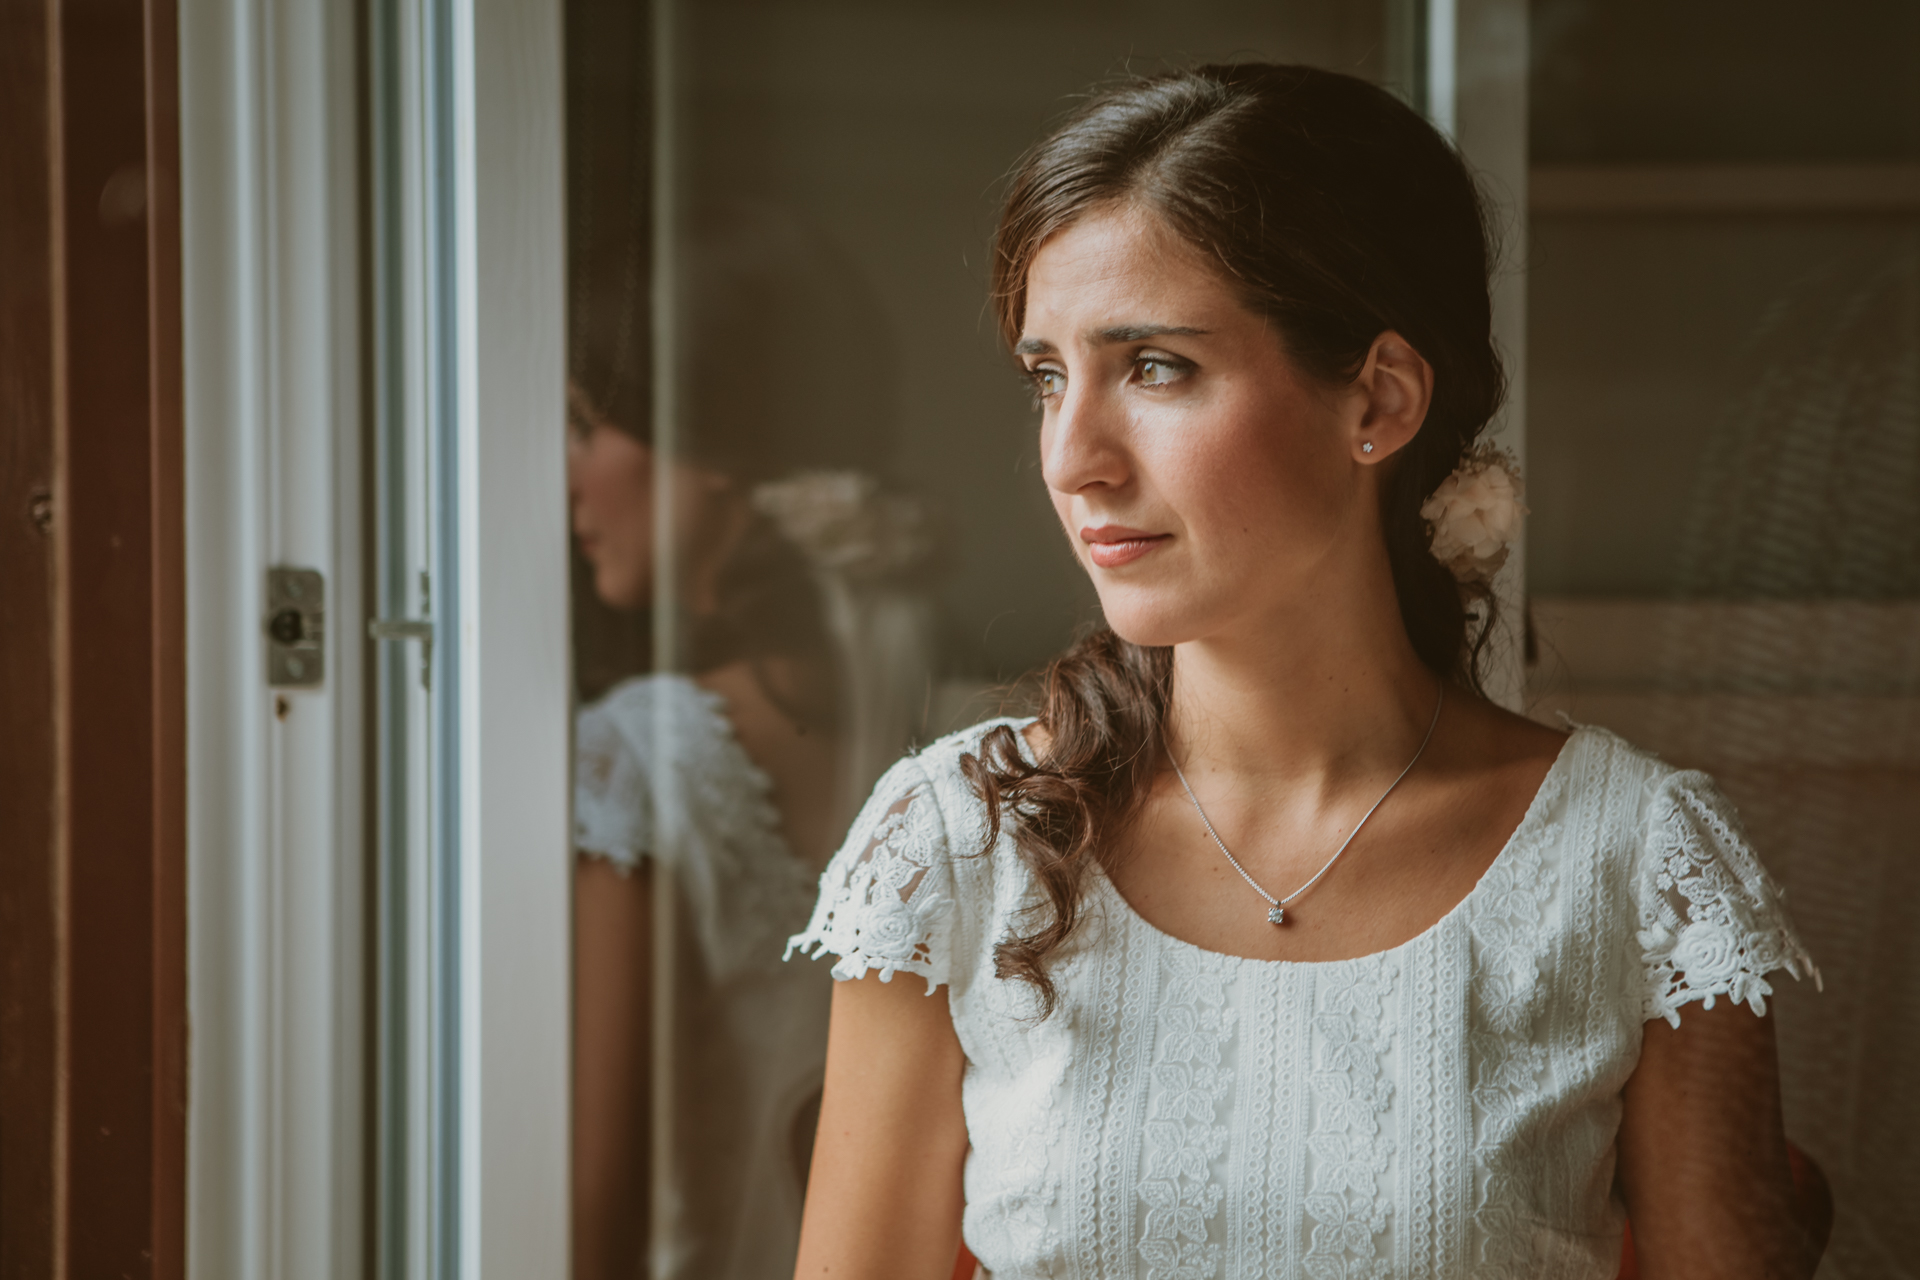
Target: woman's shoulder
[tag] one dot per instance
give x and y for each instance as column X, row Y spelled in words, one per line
column 1632, row 808
column 974, row 739
column 713, row 789
column 632, row 701
column 1629, row 787
column 946, row 754
column 913, row 887
column 939, row 770
column 1707, row 919
column 635, row 714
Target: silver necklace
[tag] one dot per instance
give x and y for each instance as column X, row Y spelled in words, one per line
column 1277, row 907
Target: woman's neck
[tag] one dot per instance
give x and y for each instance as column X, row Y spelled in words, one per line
column 1311, row 699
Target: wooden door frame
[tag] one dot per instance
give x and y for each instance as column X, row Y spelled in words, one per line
column 29, row 804
column 92, row 872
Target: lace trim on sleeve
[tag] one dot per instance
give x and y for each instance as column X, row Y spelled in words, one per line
column 1713, row 922
column 886, row 899
column 612, row 794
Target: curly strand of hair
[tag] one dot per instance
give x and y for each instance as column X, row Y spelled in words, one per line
column 1103, row 712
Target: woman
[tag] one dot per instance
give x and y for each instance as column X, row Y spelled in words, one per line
column 1270, row 947
column 726, row 775
column 729, row 769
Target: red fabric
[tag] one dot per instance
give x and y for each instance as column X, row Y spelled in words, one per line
column 1629, row 1265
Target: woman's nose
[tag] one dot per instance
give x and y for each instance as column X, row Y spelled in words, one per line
column 1081, row 443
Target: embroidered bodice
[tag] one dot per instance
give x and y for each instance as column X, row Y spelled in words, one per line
column 1445, row 1107
column 659, row 774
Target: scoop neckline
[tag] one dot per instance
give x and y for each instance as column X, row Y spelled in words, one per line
column 1535, row 815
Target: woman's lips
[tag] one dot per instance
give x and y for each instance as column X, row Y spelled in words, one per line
column 1111, row 546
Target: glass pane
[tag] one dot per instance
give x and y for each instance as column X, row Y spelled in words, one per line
column 834, row 546
column 1724, row 437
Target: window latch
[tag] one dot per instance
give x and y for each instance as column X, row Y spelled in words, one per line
column 296, row 627
column 400, row 629
column 420, row 629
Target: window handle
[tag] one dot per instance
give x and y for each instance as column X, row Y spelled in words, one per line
column 401, row 629
column 408, row 629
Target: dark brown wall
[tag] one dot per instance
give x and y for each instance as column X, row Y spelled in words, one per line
column 27, row 749
column 92, row 1118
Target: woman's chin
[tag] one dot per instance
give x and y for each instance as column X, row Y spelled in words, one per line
column 623, row 591
column 1151, row 625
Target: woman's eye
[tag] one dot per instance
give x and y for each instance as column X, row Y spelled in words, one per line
column 1047, row 382
column 1158, row 372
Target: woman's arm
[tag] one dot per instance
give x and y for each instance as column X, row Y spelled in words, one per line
column 611, row 975
column 884, row 1195
column 1703, row 1153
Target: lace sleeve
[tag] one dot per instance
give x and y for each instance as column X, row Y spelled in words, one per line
column 612, row 794
column 886, row 899
column 1712, row 922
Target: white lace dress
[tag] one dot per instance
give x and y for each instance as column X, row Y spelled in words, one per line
column 1444, row 1108
column 660, row 775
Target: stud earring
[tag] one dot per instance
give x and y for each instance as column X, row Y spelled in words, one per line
column 1366, row 446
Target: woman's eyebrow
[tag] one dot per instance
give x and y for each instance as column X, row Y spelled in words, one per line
column 1140, row 332
column 1106, row 337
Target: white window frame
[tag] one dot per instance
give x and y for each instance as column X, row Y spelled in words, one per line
column 516, row 757
column 278, row 930
column 275, row 805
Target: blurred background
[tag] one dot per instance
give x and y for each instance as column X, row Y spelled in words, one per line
column 1724, row 450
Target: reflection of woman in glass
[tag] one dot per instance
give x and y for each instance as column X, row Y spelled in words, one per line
column 1271, row 947
column 731, row 772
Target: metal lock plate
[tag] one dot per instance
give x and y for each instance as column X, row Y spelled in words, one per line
column 296, row 628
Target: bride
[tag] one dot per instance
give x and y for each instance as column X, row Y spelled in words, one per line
column 1271, row 947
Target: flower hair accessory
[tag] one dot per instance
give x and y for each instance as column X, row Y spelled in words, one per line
column 1474, row 515
column 844, row 523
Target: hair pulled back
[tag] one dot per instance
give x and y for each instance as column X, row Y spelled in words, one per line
column 1338, row 213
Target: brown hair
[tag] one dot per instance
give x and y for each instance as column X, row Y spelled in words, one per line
column 1339, row 214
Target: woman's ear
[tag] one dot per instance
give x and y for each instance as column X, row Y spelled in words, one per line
column 1393, row 390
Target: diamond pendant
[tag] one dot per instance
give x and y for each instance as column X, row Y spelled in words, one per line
column 1276, row 915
